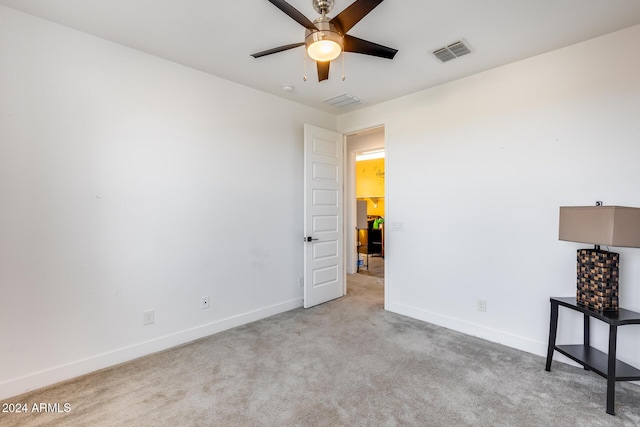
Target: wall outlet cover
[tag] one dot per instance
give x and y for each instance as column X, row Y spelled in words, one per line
column 148, row 317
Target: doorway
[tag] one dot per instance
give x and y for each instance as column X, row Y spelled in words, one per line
column 365, row 192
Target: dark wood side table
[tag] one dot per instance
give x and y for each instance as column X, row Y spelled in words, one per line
column 603, row 364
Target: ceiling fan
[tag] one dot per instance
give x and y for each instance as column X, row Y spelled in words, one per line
column 326, row 38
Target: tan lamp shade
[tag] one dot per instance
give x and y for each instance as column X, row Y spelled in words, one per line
column 601, row 225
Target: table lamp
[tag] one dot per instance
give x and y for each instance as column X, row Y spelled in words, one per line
column 597, row 270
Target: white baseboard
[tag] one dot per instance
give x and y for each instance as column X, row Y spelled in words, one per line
column 56, row 374
column 480, row 331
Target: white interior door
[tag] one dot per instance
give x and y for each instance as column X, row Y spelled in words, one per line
column 323, row 216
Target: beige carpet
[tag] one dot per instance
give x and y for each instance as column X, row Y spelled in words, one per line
column 344, row 363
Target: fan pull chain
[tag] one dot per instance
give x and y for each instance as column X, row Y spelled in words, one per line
column 343, row 60
column 304, row 75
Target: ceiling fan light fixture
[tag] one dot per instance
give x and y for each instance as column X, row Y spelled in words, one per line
column 326, row 43
column 326, row 38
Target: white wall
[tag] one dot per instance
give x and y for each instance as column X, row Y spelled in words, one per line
column 476, row 171
column 129, row 183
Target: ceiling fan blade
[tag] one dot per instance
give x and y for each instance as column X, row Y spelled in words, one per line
column 276, row 50
column 294, row 14
column 356, row 45
column 353, row 14
column 323, row 70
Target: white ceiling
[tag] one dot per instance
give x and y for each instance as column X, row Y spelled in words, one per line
column 218, row 36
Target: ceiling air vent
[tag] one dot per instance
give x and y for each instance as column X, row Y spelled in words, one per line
column 343, row 100
column 453, row 51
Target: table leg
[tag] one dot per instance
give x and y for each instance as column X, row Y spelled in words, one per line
column 611, row 371
column 587, row 335
column 553, row 328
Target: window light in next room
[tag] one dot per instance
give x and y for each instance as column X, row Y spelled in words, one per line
column 370, row 155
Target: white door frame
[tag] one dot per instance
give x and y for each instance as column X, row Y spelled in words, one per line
column 350, row 204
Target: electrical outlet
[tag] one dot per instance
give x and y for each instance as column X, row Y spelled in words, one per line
column 482, row 305
column 301, row 282
column 397, row 226
column 205, row 302
column 148, row 317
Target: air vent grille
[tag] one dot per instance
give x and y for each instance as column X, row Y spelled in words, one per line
column 343, row 100
column 452, row 51
column 444, row 54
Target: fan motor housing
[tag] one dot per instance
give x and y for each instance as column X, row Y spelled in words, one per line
column 326, row 31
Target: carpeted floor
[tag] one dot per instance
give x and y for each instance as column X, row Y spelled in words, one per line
column 344, row 363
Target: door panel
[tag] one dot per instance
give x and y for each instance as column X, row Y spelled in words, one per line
column 325, row 250
column 326, row 223
column 323, row 216
column 327, row 198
